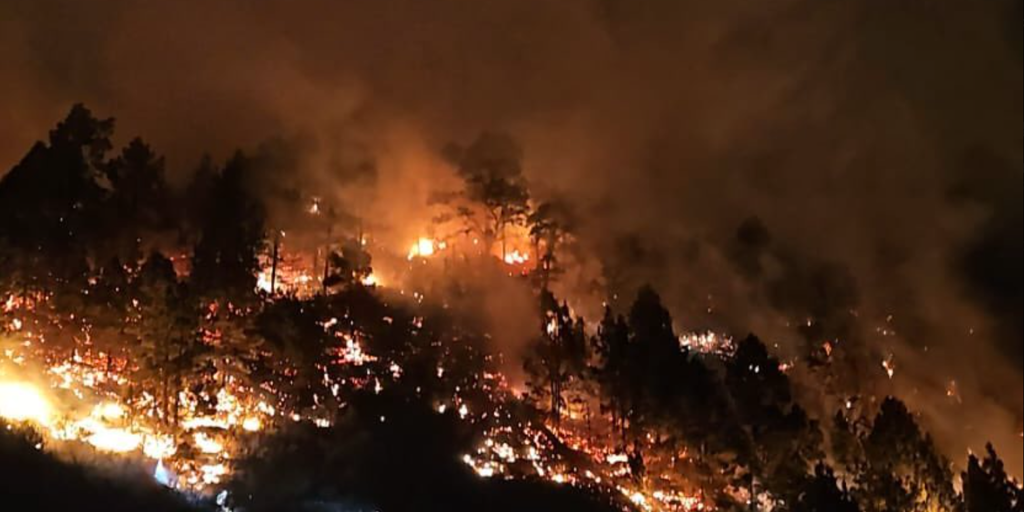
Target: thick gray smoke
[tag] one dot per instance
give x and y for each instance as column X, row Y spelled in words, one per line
column 807, row 170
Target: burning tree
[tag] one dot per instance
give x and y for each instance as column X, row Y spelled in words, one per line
column 901, row 469
column 351, row 266
column 655, row 358
column 167, row 330
column 491, row 169
column 781, row 443
column 988, row 488
column 139, row 201
column 551, row 226
column 226, row 259
column 613, row 372
column 559, row 356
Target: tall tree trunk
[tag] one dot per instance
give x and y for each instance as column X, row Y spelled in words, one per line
column 165, row 384
column 554, row 401
column 504, row 243
column 316, row 260
column 541, row 269
column 615, row 418
column 131, row 404
column 625, row 424
column 548, row 262
column 753, row 494
column 590, row 420
column 165, row 398
column 327, row 258
column 176, row 407
column 546, row 269
column 327, row 271
column 273, row 266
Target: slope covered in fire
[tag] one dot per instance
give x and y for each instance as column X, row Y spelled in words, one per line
column 250, row 343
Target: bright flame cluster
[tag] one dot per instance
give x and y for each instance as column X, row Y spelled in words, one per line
column 708, row 343
column 24, row 403
column 425, row 248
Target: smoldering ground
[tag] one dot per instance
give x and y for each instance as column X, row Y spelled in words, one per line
column 876, row 143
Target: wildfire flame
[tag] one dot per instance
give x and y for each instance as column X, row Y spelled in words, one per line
column 423, row 248
column 24, row 403
column 517, row 258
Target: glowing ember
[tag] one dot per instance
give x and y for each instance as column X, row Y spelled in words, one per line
column 517, row 258
column 953, row 392
column 889, row 365
column 353, row 353
column 371, row 281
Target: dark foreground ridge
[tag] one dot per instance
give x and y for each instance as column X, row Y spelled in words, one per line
column 34, row 481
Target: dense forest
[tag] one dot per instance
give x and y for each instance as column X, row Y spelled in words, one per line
column 352, row 395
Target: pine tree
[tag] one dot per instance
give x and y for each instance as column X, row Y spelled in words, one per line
column 49, row 204
column 226, row 260
column 167, row 331
column 558, row 357
column 139, row 203
column 612, row 370
column 987, row 487
column 822, row 493
column 350, row 267
column 110, row 311
column 197, row 201
column 903, row 469
column 491, row 169
column 656, row 353
column 550, row 227
column 782, row 442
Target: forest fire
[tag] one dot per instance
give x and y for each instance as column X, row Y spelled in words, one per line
column 215, row 435
column 259, row 351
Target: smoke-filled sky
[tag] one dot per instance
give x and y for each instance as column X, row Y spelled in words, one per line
column 769, row 161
